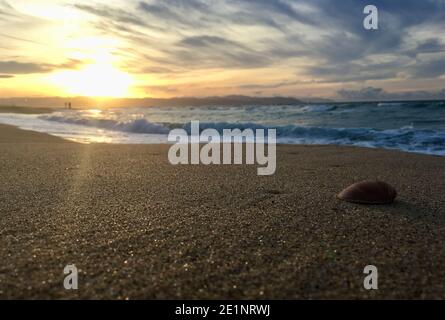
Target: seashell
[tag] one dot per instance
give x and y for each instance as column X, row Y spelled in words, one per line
column 369, row 192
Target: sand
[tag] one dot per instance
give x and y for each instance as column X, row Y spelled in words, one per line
column 140, row 228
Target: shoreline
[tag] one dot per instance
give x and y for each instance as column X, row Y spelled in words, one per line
column 140, row 228
column 14, row 134
column 25, row 110
column 31, row 133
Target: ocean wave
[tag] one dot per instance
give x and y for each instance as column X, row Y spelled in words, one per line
column 390, row 104
column 407, row 138
column 319, row 108
column 131, row 126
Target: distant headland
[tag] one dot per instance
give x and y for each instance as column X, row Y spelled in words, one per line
column 89, row 102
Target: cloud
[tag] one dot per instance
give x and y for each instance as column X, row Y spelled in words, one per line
column 157, row 70
column 275, row 85
column 335, row 36
column 364, row 71
column 202, row 34
column 369, row 93
column 6, row 76
column 160, row 89
column 428, row 69
column 372, row 94
column 117, row 15
column 15, row 67
column 189, row 14
column 303, row 42
column 431, row 45
column 209, row 41
column 278, row 8
column 345, row 50
column 5, row 8
column 20, row 39
column 217, row 52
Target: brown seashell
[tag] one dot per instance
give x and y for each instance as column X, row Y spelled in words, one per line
column 369, row 192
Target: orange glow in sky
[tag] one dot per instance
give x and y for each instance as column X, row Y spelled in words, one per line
column 154, row 48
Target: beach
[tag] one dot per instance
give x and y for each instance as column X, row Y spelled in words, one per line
column 138, row 227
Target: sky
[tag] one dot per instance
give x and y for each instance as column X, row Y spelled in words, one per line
column 167, row 48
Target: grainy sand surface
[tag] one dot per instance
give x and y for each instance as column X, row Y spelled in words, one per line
column 140, row 228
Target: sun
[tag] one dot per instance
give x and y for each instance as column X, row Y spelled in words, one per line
column 98, row 79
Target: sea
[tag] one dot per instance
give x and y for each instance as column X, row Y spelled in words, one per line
column 414, row 126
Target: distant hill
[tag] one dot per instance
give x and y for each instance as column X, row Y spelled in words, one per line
column 317, row 100
column 85, row 102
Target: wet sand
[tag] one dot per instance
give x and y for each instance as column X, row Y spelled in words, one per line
column 139, row 228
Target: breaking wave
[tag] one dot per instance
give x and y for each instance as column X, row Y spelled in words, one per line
column 406, row 138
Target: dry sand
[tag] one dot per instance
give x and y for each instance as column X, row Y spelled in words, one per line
column 140, row 228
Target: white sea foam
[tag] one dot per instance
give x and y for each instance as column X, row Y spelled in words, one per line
column 415, row 127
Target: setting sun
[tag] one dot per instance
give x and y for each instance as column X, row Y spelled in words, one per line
column 96, row 80
column 198, row 151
